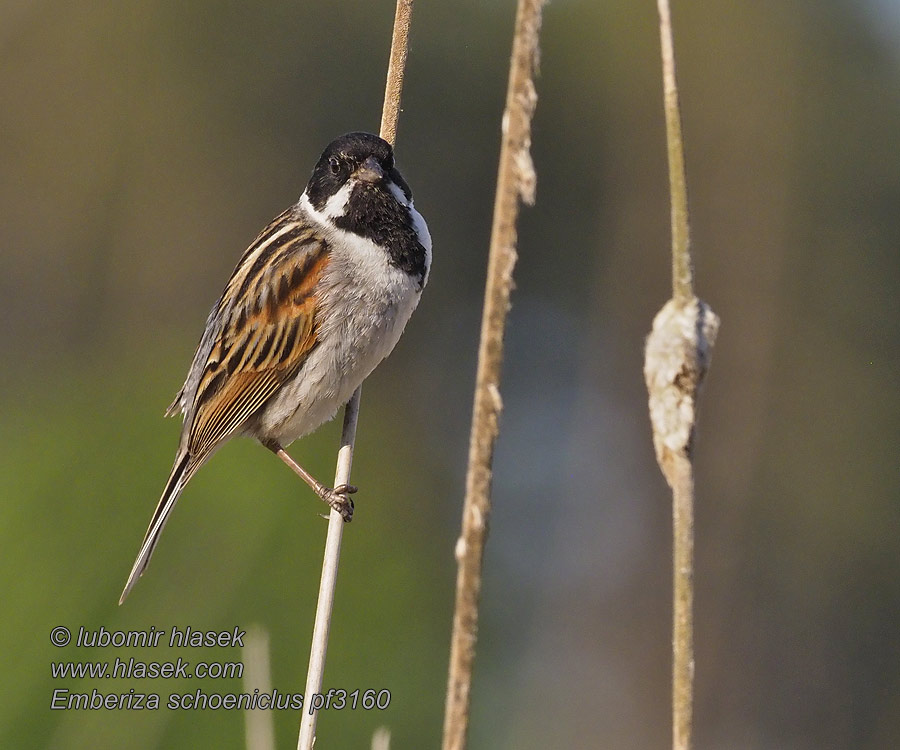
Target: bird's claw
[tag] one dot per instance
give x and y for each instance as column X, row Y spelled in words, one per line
column 338, row 500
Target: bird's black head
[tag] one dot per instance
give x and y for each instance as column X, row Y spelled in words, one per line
column 356, row 188
column 362, row 157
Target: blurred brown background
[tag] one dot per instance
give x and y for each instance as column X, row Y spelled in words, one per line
column 143, row 145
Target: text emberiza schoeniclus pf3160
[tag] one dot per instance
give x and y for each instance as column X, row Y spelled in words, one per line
column 314, row 304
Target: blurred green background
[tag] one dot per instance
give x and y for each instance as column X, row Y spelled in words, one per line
column 143, row 145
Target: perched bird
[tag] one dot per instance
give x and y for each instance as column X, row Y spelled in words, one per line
column 314, row 304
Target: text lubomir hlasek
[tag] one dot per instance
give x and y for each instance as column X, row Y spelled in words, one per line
column 178, row 638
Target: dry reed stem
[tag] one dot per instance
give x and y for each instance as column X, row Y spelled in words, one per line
column 322, row 626
column 331, row 558
column 677, row 356
column 396, row 68
column 259, row 724
column 381, row 739
column 676, row 359
column 516, row 179
column 682, row 274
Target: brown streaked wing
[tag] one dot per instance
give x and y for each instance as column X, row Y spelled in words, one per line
column 268, row 334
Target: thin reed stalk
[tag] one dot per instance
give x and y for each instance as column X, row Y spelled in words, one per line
column 259, row 724
column 322, row 626
column 515, row 180
column 677, row 356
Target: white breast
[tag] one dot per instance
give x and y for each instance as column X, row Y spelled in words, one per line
column 365, row 303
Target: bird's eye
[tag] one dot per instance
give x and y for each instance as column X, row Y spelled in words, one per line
column 334, row 164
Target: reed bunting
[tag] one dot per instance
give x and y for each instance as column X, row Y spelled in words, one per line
column 314, row 304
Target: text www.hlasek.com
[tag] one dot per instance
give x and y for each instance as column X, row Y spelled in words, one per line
column 132, row 668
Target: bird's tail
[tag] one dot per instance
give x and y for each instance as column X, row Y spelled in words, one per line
column 185, row 466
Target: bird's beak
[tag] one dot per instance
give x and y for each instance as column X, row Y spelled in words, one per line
column 370, row 171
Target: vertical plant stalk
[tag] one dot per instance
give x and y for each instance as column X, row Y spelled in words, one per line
column 381, row 739
column 322, row 626
column 396, row 68
column 516, row 180
column 259, row 724
column 677, row 356
column 682, row 272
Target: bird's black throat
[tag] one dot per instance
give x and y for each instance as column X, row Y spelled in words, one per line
column 374, row 213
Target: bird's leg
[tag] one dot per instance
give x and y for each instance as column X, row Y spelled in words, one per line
column 337, row 498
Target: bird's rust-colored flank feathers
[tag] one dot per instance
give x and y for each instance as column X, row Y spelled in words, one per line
column 266, row 335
